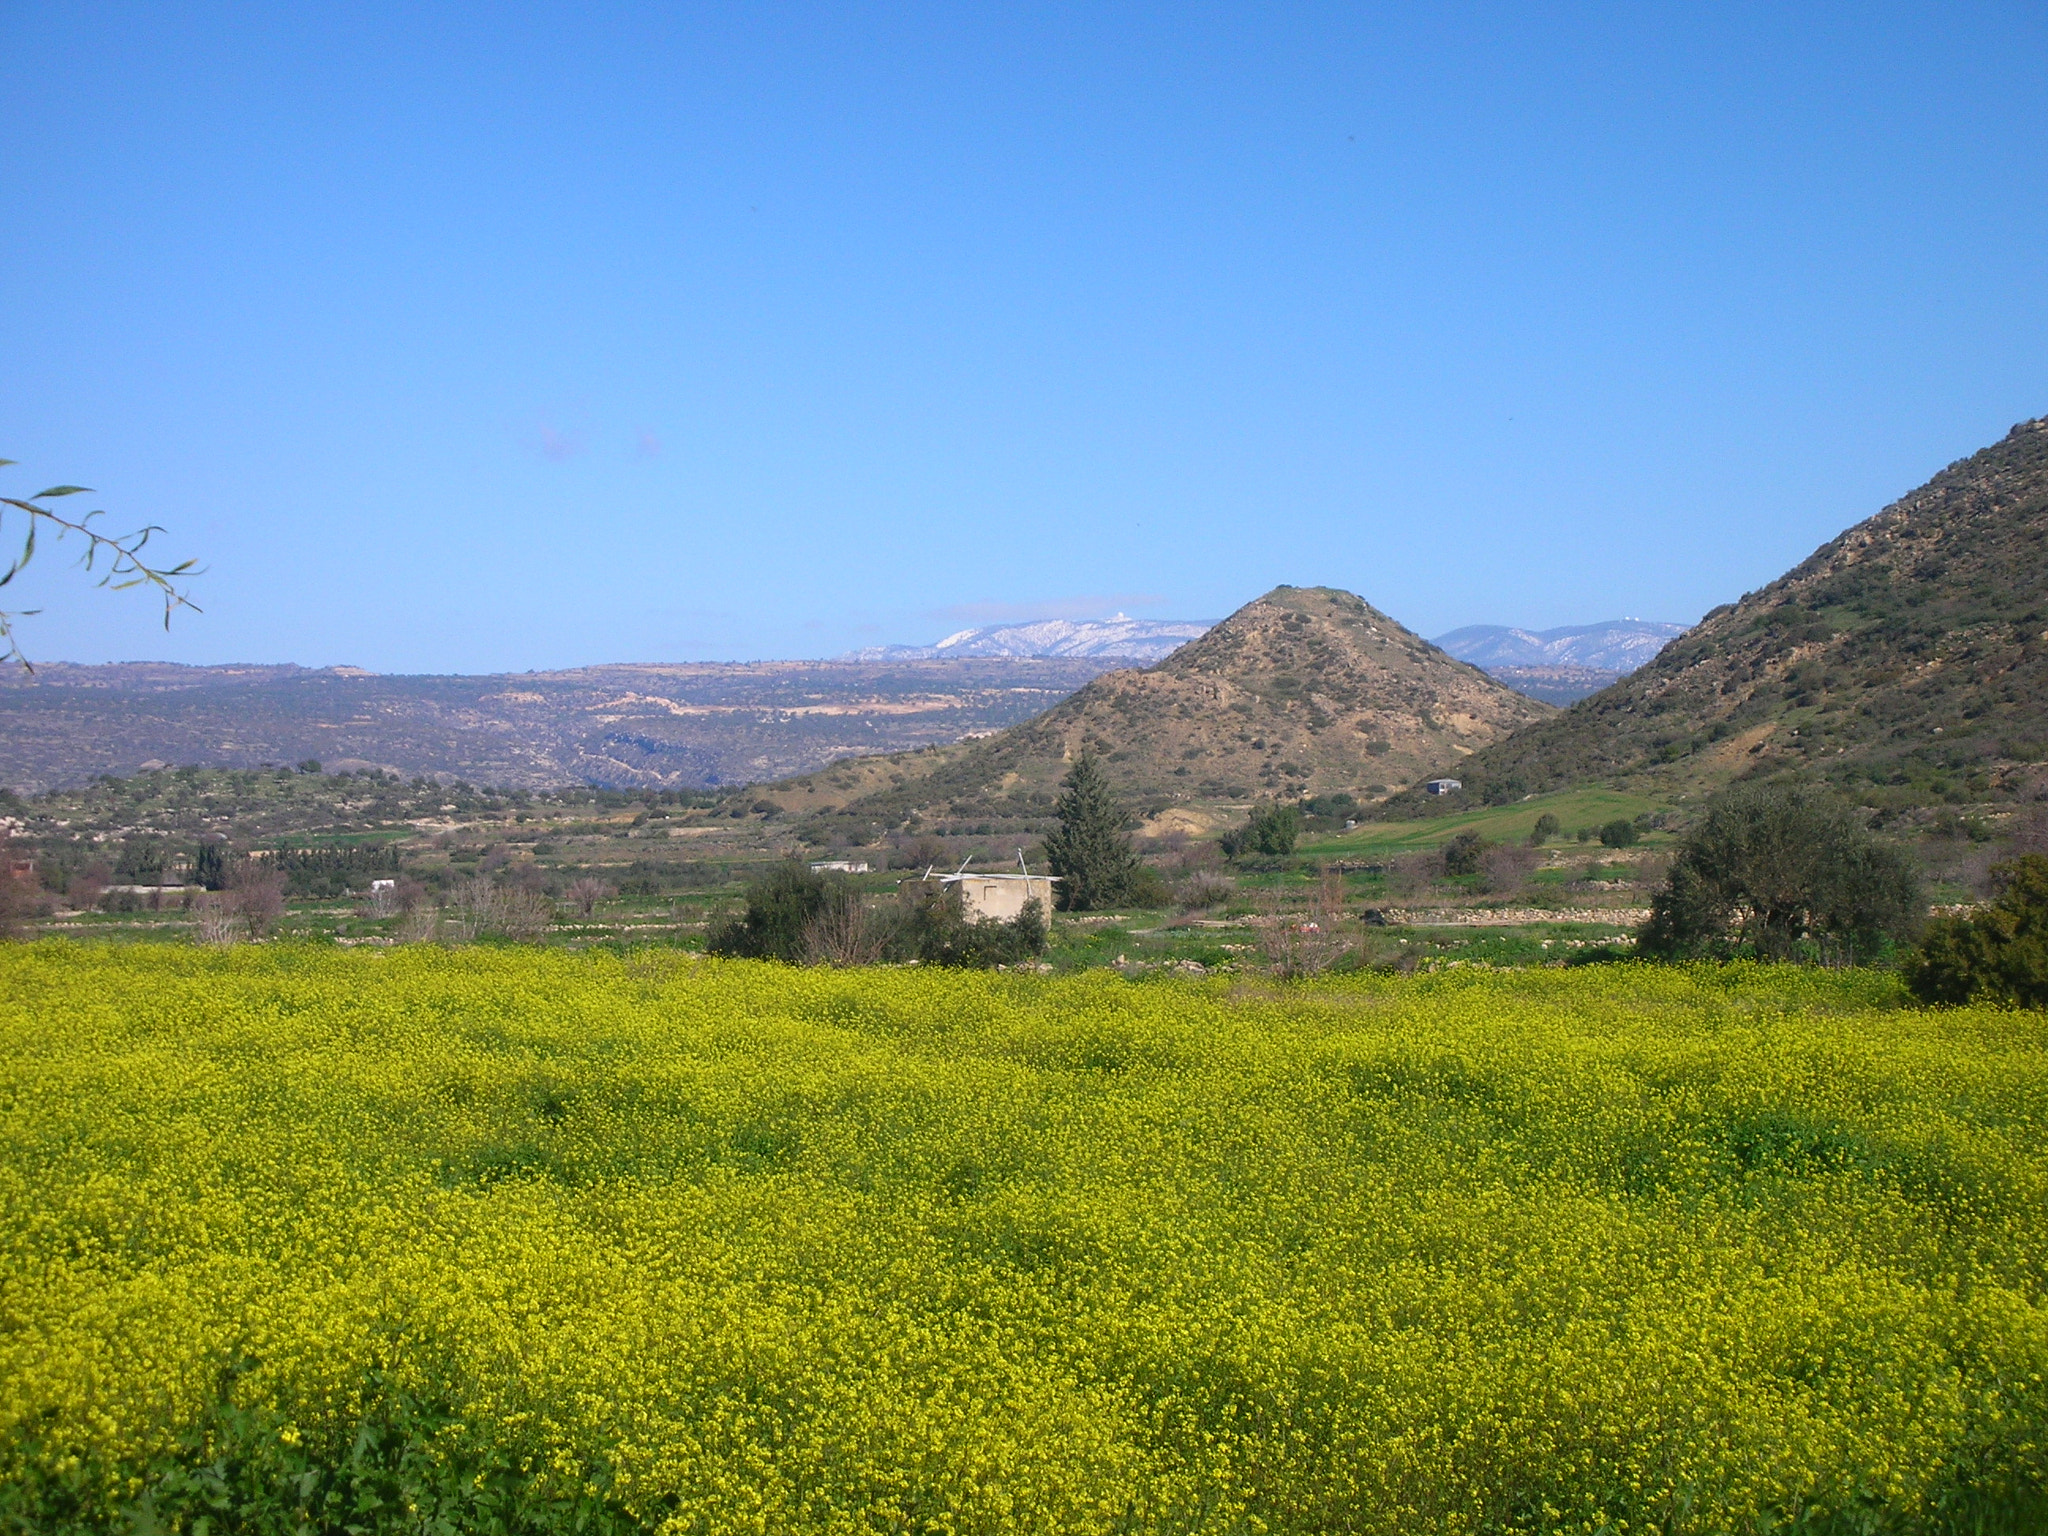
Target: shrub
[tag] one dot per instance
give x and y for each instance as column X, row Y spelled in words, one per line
column 1999, row 954
column 584, row 894
column 1619, row 833
column 1545, row 829
column 1205, row 888
column 1506, row 868
column 780, row 908
column 1769, row 868
column 846, row 931
column 938, row 932
column 1462, row 854
column 1147, row 889
column 1271, row 829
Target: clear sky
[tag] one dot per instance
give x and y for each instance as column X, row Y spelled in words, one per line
column 511, row 336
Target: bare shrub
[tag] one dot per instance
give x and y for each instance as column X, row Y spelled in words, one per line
column 1203, row 888
column 1180, row 855
column 1307, row 944
column 846, row 932
column 479, row 906
column 86, row 886
column 470, row 912
column 585, row 894
column 1410, row 874
column 421, row 925
column 523, row 915
column 1506, row 867
column 924, row 851
column 258, row 897
column 216, row 923
column 14, row 905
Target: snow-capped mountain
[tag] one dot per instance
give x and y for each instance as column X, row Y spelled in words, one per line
column 1118, row 635
column 1618, row 645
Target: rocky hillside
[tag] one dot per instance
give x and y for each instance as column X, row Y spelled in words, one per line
column 1306, row 689
column 1905, row 661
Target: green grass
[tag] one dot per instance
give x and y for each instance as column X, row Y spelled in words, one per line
column 1499, row 823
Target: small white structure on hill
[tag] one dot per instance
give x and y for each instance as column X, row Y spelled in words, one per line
column 1441, row 786
column 995, row 897
column 841, row 866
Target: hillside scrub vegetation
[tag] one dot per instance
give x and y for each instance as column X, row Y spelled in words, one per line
column 1904, row 663
column 520, row 1240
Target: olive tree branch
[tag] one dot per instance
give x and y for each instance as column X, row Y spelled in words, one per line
column 118, row 559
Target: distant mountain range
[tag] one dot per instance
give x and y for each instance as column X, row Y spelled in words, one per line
column 1560, row 666
column 1118, row 635
column 1618, row 645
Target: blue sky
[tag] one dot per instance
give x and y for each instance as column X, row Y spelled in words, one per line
column 478, row 338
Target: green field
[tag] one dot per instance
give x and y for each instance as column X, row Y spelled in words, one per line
column 1499, row 823
column 516, row 1240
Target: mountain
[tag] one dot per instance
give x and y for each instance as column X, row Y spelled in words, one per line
column 1303, row 690
column 1554, row 685
column 1906, row 661
column 1618, row 645
column 1560, row 666
column 1118, row 636
column 687, row 726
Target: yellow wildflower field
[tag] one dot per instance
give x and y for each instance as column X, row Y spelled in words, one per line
column 723, row 1247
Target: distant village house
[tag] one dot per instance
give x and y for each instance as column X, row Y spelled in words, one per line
column 840, row 866
column 1442, row 786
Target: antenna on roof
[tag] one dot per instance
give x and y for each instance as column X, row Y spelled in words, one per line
column 1020, row 862
column 963, row 865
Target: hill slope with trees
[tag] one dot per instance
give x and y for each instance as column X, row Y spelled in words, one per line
column 1905, row 660
column 1304, row 690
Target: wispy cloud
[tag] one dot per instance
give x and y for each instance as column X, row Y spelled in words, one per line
column 558, row 445
column 1094, row 606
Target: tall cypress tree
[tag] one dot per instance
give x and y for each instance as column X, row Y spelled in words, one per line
column 1088, row 849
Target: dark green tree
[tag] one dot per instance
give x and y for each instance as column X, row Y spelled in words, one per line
column 1545, row 829
column 1271, row 829
column 1619, row 833
column 1088, row 850
column 1770, row 868
column 780, row 907
column 1462, row 854
column 1999, row 954
column 210, row 866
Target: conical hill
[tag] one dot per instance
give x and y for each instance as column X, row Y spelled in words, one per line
column 1304, row 690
